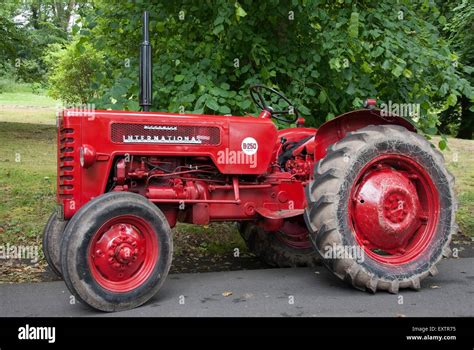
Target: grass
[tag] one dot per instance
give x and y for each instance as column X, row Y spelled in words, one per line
column 27, row 107
column 27, row 181
column 217, row 238
column 26, row 99
column 459, row 159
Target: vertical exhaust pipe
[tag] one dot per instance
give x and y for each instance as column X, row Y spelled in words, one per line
column 145, row 67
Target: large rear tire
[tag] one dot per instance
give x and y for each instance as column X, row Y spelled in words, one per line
column 384, row 192
column 52, row 236
column 290, row 247
column 116, row 252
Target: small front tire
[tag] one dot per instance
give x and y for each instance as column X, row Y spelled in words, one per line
column 116, row 252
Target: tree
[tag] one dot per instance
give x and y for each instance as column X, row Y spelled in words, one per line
column 73, row 69
column 26, row 30
column 326, row 56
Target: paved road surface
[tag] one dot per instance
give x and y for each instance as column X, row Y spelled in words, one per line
column 267, row 292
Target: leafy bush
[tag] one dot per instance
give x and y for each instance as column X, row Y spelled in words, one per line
column 459, row 31
column 72, row 70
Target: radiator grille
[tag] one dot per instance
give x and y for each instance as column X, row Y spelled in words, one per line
column 66, row 162
column 165, row 134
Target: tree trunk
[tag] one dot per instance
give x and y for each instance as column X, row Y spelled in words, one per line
column 35, row 9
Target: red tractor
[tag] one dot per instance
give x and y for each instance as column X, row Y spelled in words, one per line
column 365, row 194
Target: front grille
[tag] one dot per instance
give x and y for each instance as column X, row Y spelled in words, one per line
column 66, row 162
column 165, row 134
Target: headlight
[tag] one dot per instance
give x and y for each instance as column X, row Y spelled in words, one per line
column 87, row 156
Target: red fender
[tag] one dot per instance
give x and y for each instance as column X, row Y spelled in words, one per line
column 336, row 129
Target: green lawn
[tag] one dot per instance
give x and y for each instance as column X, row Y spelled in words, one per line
column 26, row 99
column 27, row 165
column 27, row 107
column 459, row 159
column 27, row 181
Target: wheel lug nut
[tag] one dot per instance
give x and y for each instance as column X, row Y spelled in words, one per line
column 111, row 260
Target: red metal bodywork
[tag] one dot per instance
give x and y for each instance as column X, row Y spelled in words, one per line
column 211, row 178
column 336, row 129
column 196, row 168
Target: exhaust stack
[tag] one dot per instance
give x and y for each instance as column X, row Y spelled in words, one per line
column 145, row 67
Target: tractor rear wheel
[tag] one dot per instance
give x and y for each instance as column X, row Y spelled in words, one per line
column 52, row 235
column 116, row 251
column 289, row 247
column 381, row 208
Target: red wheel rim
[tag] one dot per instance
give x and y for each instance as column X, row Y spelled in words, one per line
column 294, row 234
column 394, row 209
column 123, row 253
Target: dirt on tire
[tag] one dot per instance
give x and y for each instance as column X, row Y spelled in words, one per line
column 328, row 198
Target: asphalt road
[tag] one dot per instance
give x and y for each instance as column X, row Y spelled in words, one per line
column 267, row 292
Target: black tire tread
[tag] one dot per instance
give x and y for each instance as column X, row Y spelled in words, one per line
column 70, row 244
column 273, row 252
column 319, row 215
column 51, row 242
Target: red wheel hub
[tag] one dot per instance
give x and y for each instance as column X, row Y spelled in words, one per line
column 123, row 253
column 394, row 209
column 294, row 234
column 386, row 208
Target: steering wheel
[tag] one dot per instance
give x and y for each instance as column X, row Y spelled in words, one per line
column 259, row 100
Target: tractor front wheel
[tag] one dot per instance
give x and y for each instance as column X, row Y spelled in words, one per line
column 288, row 247
column 52, row 235
column 116, row 251
column 381, row 208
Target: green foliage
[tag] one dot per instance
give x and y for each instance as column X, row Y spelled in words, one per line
column 458, row 28
column 72, row 71
column 326, row 56
column 26, row 30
